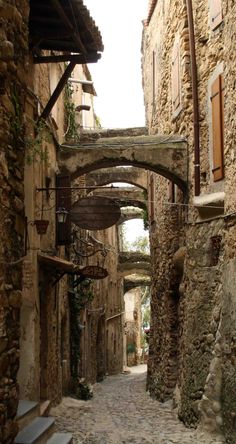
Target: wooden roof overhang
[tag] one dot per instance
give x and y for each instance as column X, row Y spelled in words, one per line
column 57, row 266
column 151, row 8
column 67, row 31
column 63, row 26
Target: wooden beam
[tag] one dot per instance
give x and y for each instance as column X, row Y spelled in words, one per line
column 78, row 59
column 44, row 20
column 69, row 25
column 57, row 91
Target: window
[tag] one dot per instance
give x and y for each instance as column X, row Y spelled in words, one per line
column 175, row 77
column 217, row 102
column 216, row 15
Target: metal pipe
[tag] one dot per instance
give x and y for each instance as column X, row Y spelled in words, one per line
column 82, row 82
column 115, row 316
column 195, row 99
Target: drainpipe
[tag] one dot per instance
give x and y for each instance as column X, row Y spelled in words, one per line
column 195, row 98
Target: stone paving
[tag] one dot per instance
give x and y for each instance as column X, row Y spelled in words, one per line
column 122, row 412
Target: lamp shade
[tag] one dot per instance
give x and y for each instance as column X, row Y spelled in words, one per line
column 61, row 215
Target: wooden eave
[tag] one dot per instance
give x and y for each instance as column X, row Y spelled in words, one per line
column 57, row 265
column 64, row 26
column 151, row 8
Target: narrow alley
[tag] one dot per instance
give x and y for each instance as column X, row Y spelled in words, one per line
column 122, row 412
column 117, row 222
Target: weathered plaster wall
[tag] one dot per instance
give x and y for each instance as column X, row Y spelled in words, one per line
column 133, row 320
column 102, row 337
column 44, row 361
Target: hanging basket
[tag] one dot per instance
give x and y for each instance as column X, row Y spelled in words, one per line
column 41, row 226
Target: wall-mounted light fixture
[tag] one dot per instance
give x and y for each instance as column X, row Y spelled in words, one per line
column 61, row 214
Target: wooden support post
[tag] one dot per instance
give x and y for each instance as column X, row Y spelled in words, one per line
column 57, row 91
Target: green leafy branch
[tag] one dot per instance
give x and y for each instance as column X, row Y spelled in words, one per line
column 36, row 145
column 71, row 125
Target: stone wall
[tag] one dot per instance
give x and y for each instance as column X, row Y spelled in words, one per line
column 13, row 72
column 206, row 344
column 166, row 238
column 133, row 326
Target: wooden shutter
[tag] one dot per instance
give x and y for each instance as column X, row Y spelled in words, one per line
column 216, row 15
column 63, row 200
column 218, row 128
column 175, row 77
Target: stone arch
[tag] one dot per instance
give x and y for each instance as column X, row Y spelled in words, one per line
column 141, row 268
column 165, row 155
column 129, row 214
column 129, row 175
column 131, row 282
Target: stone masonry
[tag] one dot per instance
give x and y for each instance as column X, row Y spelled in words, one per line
column 203, row 318
column 13, row 74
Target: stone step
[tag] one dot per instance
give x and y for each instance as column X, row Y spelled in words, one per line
column 61, row 438
column 26, row 412
column 37, row 432
column 45, row 407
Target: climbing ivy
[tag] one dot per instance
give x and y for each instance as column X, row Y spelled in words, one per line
column 36, row 144
column 71, row 126
column 145, row 219
column 16, row 119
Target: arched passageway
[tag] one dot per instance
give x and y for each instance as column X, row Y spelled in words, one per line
column 165, row 155
column 129, row 214
column 105, row 176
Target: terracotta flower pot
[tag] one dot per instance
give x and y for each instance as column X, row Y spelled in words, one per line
column 41, row 226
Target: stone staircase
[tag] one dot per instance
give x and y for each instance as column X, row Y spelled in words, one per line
column 35, row 427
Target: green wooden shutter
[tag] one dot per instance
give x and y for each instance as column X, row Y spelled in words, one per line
column 218, row 128
column 175, row 75
column 216, row 15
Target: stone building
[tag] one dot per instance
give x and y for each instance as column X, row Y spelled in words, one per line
column 35, row 119
column 133, row 321
column 188, row 67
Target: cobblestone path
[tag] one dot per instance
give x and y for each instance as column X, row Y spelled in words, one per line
column 122, row 412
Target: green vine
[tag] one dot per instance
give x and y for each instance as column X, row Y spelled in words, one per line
column 131, row 348
column 71, row 126
column 16, row 119
column 97, row 121
column 145, row 219
column 35, row 144
column 36, row 147
column 78, row 301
